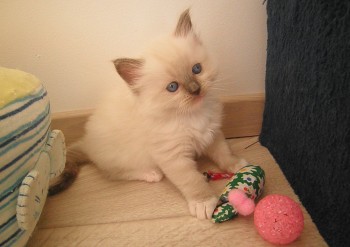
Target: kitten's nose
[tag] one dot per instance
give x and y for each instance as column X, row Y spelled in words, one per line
column 194, row 88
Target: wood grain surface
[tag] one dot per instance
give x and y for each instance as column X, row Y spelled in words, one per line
column 99, row 212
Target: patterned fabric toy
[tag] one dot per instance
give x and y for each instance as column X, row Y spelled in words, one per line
column 30, row 154
column 249, row 179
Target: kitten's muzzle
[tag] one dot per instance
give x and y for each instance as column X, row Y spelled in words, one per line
column 193, row 87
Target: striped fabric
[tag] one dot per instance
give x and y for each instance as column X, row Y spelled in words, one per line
column 24, row 131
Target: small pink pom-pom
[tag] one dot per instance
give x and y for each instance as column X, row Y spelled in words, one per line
column 241, row 202
column 278, row 219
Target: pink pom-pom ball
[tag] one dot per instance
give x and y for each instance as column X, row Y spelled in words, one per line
column 243, row 205
column 278, row 219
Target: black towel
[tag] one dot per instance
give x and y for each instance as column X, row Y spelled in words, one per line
column 306, row 124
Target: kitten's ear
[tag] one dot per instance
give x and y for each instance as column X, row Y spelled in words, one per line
column 184, row 25
column 129, row 69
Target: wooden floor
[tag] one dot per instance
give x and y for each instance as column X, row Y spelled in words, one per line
column 98, row 212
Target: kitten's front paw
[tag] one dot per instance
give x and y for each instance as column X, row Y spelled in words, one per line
column 203, row 209
column 240, row 163
column 234, row 164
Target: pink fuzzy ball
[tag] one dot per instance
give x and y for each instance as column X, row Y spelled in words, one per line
column 278, row 219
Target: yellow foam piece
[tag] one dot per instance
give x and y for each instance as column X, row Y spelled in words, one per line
column 15, row 84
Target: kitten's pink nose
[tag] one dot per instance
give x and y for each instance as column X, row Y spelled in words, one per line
column 197, row 91
column 194, row 88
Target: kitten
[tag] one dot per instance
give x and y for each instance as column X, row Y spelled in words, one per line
column 157, row 126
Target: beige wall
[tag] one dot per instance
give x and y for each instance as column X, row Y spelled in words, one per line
column 69, row 45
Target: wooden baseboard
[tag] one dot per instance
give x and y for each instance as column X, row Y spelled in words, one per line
column 242, row 117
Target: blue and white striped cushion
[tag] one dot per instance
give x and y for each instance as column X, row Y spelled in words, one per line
column 24, row 133
column 24, row 127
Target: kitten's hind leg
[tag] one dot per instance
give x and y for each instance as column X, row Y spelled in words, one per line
column 151, row 175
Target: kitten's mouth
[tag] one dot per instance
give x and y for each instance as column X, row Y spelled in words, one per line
column 199, row 98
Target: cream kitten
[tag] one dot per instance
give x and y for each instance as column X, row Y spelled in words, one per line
column 167, row 117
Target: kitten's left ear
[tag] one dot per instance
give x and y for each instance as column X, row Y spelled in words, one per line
column 129, row 69
column 184, row 25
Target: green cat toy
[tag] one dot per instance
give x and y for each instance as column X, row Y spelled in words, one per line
column 239, row 194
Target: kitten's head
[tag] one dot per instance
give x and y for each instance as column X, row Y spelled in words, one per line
column 175, row 75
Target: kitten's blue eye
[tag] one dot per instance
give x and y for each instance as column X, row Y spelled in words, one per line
column 172, row 86
column 197, row 68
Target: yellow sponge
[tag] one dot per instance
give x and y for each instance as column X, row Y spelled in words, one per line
column 14, row 84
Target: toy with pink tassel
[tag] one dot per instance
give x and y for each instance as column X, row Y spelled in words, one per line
column 277, row 218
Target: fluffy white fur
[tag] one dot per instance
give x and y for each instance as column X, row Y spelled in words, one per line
column 144, row 131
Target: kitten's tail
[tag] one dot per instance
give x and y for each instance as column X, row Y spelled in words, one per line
column 75, row 158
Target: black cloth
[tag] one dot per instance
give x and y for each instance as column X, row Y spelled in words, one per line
column 306, row 124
